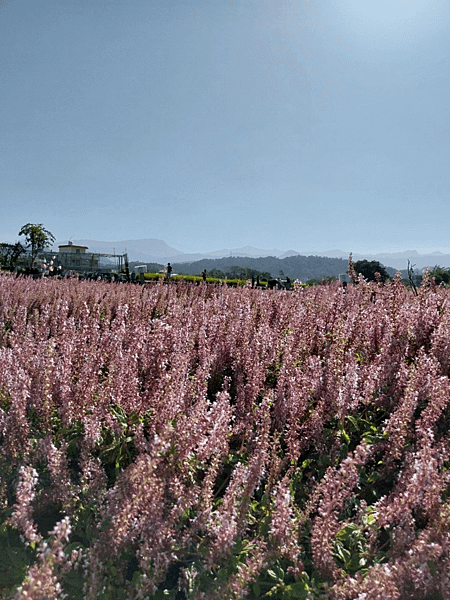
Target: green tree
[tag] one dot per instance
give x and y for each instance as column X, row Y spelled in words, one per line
column 37, row 238
column 9, row 254
column 216, row 273
column 441, row 274
column 368, row 269
column 246, row 273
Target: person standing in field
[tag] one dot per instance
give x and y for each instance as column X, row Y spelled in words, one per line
column 169, row 270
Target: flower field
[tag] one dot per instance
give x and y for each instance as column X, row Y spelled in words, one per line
column 203, row 442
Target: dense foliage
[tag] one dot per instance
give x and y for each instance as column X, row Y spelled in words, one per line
column 239, row 273
column 206, row 442
column 37, row 238
column 441, row 275
column 369, row 270
column 9, row 255
column 294, row 267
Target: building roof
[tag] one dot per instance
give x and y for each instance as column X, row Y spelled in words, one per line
column 72, row 246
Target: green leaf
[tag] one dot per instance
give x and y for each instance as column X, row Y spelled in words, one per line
column 256, row 589
column 298, row 590
column 344, row 434
column 353, row 421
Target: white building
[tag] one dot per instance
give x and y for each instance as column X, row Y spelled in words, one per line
column 71, row 256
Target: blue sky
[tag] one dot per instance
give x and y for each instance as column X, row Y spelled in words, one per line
column 290, row 124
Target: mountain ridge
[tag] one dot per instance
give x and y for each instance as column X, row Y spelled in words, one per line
column 158, row 251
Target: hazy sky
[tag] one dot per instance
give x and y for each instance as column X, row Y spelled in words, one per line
column 290, row 124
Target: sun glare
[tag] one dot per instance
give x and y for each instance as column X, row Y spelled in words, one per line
column 389, row 22
column 389, row 11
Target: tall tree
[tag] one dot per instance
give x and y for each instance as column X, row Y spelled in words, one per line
column 37, row 239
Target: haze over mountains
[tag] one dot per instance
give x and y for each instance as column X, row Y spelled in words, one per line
column 158, row 251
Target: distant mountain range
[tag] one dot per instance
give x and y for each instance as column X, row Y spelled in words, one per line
column 157, row 251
